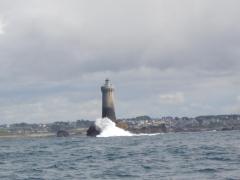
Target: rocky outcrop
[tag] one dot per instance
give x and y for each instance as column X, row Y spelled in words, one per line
column 122, row 125
column 93, row 130
column 150, row 129
column 62, row 133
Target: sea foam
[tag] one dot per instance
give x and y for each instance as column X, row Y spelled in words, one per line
column 108, row 128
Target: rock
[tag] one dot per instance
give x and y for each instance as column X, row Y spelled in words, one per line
column 227, row 128
column 122, row 125
column 93, row 130
column 62, row 133
column 150, row 129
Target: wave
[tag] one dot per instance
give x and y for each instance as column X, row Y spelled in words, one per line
column 108, row 128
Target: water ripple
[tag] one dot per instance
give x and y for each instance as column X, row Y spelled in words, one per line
column 203, row 155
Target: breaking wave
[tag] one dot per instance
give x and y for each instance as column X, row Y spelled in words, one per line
column 108, row 128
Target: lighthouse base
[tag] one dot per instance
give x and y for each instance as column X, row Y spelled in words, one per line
column 96, row 129
column 93, row 130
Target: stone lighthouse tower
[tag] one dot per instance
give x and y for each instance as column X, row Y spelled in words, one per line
column 107, row 110
column 107, row 101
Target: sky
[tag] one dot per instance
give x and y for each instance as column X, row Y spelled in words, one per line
column 164, row 58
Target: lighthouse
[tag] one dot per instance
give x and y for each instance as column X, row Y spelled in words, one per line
column 108, row 101
column 108, row 110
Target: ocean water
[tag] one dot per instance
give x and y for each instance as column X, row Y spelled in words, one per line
column 202, row 155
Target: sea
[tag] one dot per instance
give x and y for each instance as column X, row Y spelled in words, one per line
column 180, row 156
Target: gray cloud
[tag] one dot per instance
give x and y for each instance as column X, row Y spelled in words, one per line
column 1, row 27
column 149, row 49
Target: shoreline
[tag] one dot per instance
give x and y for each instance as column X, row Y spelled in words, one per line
column 35, row 135
column 46, row 135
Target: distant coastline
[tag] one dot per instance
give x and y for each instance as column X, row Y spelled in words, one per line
column 30, row 135
column 140, row 124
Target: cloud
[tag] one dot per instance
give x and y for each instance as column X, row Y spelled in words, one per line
column 233, row 108
column 2, row 25
column 238, row 98
column 147, row 48
column 50, row 109
column 61, row 41
column 175, row 98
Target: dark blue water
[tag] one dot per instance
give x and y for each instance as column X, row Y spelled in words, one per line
column 205, row 155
